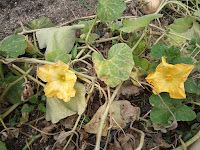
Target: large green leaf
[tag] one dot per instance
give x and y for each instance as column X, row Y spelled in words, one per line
column 141, row 62
column 57, row 38
column 57, row 109
column 139, row 23
column 42, row 22
column 161, row 115
column 186, row 27
column 117, row 67
column 110, row 10
column 13, row 45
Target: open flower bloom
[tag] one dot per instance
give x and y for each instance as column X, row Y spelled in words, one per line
column 170, row 78
column 60, row 80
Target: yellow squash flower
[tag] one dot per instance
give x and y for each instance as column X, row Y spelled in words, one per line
column 60, row 80
column 170, row 78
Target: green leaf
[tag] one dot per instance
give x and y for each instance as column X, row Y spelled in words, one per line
column 110, row 10
column 57, row 109
column 33, row 100
column 62, row 38
column 29, row 109
column 64, row 58
column 139, row 23
column 42, row 22
column 41, row 107
column 153, row 66
column 140, row 47
column 184, row 113
column 186, row 27
column 74, row 52
column 184, row 60
column 58, row 54
column 161, row 115
column 190, row 86
column 88, row 25
column 117, row 67
column 13, row 95
column 2, row 146
column 157, row 50
column 141, row 62
column 197, row 13
column 13, row 45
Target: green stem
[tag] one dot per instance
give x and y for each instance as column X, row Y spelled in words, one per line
column 31, row 141
column 29, row 60
column 104, row 116
column 29, row 76
column 81, row 18
column 87, row 37
column 174, row 2
column 188, row 143
column 73, row 130
column 140, row 39
column 15, row 82
column 1, row 71
column 11, row 109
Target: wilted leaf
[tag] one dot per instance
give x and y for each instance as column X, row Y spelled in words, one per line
column 93, row 125
column 47, row 129
column 123, row 112
column 13, row 45
column 42, row 22
column 161, row 115
column 110, row 10
column 117, row 67
column 57, row 109
column 186, row 27
column 62, row 38
column 139, row 23
column 25, row 115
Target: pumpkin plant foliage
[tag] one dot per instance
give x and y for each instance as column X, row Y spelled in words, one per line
column 117, row 67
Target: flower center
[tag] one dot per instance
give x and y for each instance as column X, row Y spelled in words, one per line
column 63, row 78
column 168, row 77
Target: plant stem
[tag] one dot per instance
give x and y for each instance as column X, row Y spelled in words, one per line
column 74, row 128
column 81, row 18
column 29, row 76
column 140, row 39
column 11, row 109
column 1, row 71
column 1, row 120
column 189, row 142
column 104, row 116
column 31, row 141
column 15, row 82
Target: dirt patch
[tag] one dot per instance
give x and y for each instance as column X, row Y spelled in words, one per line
column 59, row 11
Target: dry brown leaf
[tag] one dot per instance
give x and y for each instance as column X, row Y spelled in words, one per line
column 124, row 142
column 47, row 130
column 28, row 91
column 123, row 112
column 93, row 125
column 69, row 122
column 9, row 134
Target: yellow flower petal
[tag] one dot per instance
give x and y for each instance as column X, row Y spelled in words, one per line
column 170, row 78
column 60, row 80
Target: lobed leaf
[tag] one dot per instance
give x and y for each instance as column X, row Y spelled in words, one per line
column 13, row 45
column 110, row 10
column 117, row 67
